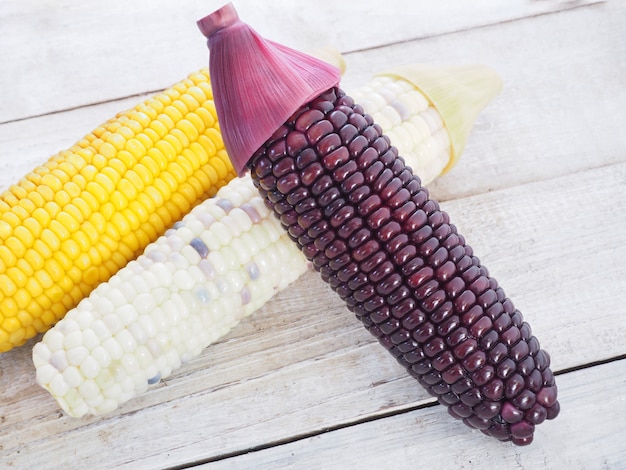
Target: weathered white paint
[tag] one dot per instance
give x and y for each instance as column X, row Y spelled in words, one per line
column 539, row 193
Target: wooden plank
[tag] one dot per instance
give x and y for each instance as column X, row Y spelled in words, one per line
column 63, row 54
column 535, row 129
column 297, row 367
column 428, row 439
column 553, row 115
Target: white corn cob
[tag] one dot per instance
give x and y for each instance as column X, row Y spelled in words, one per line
column 224, row 260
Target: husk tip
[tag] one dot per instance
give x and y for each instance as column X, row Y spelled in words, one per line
column 221, row 18
column 459, row 94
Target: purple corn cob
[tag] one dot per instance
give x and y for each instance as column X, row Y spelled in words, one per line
column 369, row 227
column 361, row 216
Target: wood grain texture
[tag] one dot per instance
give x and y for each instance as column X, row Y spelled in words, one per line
column 62, row 54
column 295, row 368
column 540, row 193
column 423, row 439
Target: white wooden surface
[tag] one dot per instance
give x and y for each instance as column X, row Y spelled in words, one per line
column 539, row 194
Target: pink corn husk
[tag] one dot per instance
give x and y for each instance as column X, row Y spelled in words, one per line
column 248, row 108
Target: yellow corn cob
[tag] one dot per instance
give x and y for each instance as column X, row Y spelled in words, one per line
column 220, row 263
column 74, row 221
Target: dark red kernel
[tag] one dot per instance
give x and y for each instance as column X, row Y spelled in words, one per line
column 357, row 145
column 477, row 423
column 483, row 375
column 426, row 289
column 460, row 411
column 462, row 386
column 389, row 326
column 305, row 158
column 296, row 142
column 487, row 409
column 319, row 130
column 454, row 374
column 424, row 332
column 536, row 415
column 404, row 255
column 534, row 381
column 407, row 346
column 481, row 327
column 398, row 295
column 439, row 257
column 510, row 336
column 381, row 271
column 370, row 263
column 413, row 320
column 506, row 368
column 398, row 199
column 349, row 227
column 493, row 390
column 307, row 119
column 421, row 276
column 311, row 174
column 472, row 315
column 523, row 429
column 404, row 211
column 472, row 397
column 434, row 300
column 498, row 353
column 277, row 151
column 513, row 386
column 382, row 181
column 475, row 361
column 343, row 215
column 525, row 400
column 520, row 351
column 416, row 221
column 338, row 157
column 389, row 284
column 390, row 230
column 338, row 119
column 547, row 396
column 348, row 133
column 448, row 326
column 328, row 143
column 391, row 188
column 321, row 185
column 526, row 366
column 443, row 361
column 454, row 287
column 378, row 218
column 464, row 301
column 352, row 184
column 463, row 348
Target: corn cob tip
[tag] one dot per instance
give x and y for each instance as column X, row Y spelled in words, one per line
column 459, row 93
column 268, row 82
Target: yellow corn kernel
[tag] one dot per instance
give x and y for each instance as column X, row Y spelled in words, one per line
column 72, row 222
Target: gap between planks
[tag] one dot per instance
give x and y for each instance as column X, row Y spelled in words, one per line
column 356, row 422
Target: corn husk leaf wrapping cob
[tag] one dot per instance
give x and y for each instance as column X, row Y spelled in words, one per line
column 225, row 259
column 363, row 219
